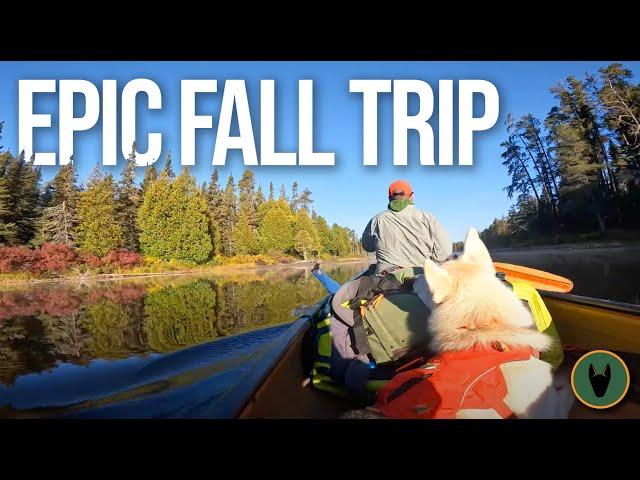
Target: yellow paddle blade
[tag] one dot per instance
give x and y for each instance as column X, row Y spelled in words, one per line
column 539, row 279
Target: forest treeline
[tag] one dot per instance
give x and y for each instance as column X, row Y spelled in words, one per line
column 167, row 217
column 576, row 172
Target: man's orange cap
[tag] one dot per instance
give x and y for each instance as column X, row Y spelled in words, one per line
column 400, row 187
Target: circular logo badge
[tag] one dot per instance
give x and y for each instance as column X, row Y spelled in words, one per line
column 600, row 379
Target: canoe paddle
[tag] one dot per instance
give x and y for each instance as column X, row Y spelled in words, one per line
column 539, row 279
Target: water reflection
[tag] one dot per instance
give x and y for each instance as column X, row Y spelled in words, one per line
column 43, row 325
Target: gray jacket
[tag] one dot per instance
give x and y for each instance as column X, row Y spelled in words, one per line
column 406, row 238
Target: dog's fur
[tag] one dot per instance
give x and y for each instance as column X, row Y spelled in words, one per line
column 470, row 306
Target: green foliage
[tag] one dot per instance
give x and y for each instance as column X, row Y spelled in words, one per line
column 276, row 232
column 174, row 220
column 168, row 168
column 98, row 230
column 340, row 242
column 245, row 236
column 579, row 170
column 7, row 229
column 129, row 199
column 306, row 239
column 150, row 176
column 57, row 224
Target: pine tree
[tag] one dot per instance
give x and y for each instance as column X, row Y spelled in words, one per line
column 174, row 220
column 64, row 186
column 259, row 197
column 7, row 229
column 295, row 199
column 215, row 200
column 247, row 198
column 228, row 218
column 99, row 231
column 168, row 168
column 23, row 187
column 283, row 193
column 304, row 201
column 271, row 192
column 59, row 217
column 150, row 176
column 58, row 224
column 128, row 200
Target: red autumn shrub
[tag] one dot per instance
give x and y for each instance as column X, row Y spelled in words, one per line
column 53, row 258
column 16, row 259
column 91, row 260
column 123, row 259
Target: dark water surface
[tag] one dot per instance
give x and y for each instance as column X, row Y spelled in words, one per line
column 612, row 273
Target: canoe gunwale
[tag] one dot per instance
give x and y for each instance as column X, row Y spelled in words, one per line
column 233, row 406
column 630, row 308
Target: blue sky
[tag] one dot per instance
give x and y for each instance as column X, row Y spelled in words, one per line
column 347, row 193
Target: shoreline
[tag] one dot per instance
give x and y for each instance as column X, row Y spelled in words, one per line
column 211, row 270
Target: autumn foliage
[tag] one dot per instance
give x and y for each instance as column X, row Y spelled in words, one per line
column 56, row 258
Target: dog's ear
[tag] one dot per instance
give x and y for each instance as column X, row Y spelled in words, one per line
column 438, row 280
column 475, row 250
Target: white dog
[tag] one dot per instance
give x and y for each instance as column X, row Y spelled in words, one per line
column 472, row 311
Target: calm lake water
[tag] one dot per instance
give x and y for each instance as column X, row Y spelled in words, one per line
column 43, row 326
column 49, row 333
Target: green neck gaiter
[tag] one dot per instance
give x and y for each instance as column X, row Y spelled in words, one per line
column 400, row 204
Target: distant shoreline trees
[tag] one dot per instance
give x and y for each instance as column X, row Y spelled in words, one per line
column 166, row 217
column 578, row 171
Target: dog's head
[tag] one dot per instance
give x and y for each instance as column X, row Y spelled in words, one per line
column 470, row 305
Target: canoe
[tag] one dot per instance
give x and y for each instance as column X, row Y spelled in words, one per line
column 280, row 388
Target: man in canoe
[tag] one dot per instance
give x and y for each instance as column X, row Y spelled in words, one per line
column 403, row 235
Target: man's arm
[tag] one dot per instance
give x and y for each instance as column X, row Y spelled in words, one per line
column 369, row 239
column 442, row 244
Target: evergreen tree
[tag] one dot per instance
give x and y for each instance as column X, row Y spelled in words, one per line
column 150, row 176
column 215, row 201
column 247, row 198
column 58, row 224
column 283, row 193
column 59, row 216
column 228, row 218
column 64, row 186
column 99, row 231
column 306, row 240
column 168, row 168
column 174, row 220
column 324, row 234
column 259, row 197
column 276, row 233
column 7, row 229
column 271, row 192
column 304, row 201
column 245, row 237
column 295, row 199
column 129, row 199
column 23, row 187
column 340, row 245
